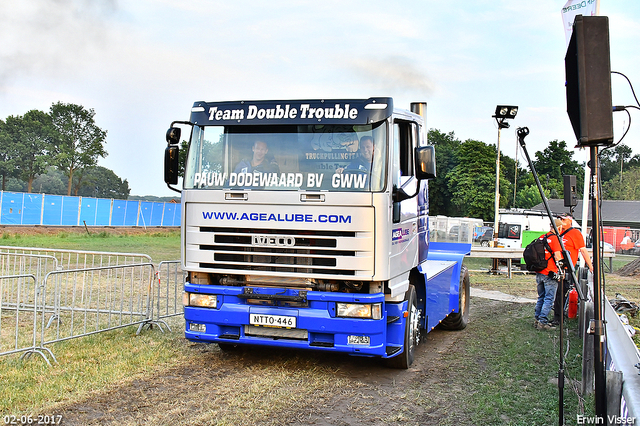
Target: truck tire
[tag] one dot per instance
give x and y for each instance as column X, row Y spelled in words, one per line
column 458, row 320
column 412, row 332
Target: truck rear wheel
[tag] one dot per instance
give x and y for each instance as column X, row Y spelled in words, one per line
column 411, row 332
column 458, row 320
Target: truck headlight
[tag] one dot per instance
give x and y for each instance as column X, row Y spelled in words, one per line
column 359, row 310
column 200, row 300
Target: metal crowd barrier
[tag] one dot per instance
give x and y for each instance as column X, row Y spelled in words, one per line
column 50, row 295
column 53, row 295
column 19, row 296
column 81, row 302
column 167, row 298
column 78, row 259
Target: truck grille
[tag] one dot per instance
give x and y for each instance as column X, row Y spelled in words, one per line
column 281, row 251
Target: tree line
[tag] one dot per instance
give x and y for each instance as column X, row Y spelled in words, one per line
column 56, row 152
column 466, row 173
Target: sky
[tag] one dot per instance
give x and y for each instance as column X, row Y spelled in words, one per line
column 142, row 64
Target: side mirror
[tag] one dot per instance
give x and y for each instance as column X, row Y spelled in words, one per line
column 173, row 135
column 171, row 155
column 425, row 162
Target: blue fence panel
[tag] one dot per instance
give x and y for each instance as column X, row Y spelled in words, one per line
column 156, row 214
column 177, row 218
column 118, row 212
column 18, row 208
column 131, row 216
column 169, row 213
column 11, row 213
column 70, row 206
column 88, row 209
column 103, row 212
column 52, row 210
column 32, row 209
column 145, row 213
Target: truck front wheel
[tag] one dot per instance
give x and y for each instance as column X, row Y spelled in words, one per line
column 411, row 332
column 458, row 320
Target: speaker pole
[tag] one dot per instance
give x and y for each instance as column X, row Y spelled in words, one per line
column 598, row 323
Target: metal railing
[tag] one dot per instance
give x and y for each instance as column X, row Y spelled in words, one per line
column 81, row 302
column 19, row 296
column 167, row 297
column 78, row 259
column 51, row 295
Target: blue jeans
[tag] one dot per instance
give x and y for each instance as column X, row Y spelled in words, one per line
column 546, row 295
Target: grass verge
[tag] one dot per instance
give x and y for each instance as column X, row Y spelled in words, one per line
column 86, row 365
column 505, row 373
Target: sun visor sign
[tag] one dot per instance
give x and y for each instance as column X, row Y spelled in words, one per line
column 341, row 111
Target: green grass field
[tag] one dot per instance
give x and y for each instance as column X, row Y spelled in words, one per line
column 160, row 245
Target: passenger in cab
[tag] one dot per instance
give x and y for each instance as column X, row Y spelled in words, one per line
column 259, row 162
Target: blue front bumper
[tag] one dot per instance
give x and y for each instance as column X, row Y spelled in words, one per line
column 317, row 326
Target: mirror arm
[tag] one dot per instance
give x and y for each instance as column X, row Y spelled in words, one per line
column 173, row 189
column 400, row 195
column 188, row 123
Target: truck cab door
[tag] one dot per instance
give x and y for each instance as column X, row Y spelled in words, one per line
column 405, row 213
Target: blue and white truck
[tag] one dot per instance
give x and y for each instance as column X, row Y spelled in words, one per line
column 305, row 225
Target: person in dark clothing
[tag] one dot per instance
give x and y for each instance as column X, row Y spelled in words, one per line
column 547, row 282
column 259, row 162
column 364, row 161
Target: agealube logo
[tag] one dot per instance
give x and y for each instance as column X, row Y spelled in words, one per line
column 272, row 240
column 398, row 234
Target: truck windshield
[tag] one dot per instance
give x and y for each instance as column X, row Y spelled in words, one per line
column 288, row 158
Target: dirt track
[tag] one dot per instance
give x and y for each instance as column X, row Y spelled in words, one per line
column 55, row 230
column 269, row 387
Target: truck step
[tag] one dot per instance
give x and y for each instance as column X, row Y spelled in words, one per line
column 322, row 344
column 230, row 336
column 393, row 349
column 392, row 319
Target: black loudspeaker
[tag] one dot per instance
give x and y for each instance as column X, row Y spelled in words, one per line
column 588, row 73
column 570, row 194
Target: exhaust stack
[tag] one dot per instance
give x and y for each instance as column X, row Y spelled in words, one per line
column 420, row 108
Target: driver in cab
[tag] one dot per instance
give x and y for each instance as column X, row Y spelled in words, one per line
column 364, row 161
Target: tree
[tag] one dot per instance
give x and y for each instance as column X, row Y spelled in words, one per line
column 626, row 187
column 552, row 164
column 440, row 196
column 613, row 164
column 103, row 183
column 7, row 168
column 31, row 140
column 78, row 141
column 211, row 153
column 556, row 161
column 508, row 175
column 50, row 182
column 529, row 196
column 613, row 161
column 182, row 158
column 472, row 180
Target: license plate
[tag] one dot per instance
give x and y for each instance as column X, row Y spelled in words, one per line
column 358, row 340
column 273, row 321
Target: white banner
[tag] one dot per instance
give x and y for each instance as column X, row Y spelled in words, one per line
column 577, row 7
